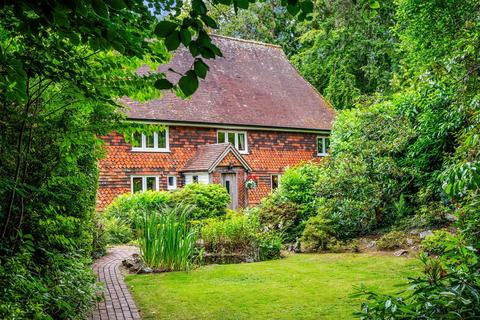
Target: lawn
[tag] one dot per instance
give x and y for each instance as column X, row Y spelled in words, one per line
column 302, row 286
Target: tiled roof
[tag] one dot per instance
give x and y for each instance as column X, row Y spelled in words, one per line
column 253, row 84
column 208, row 156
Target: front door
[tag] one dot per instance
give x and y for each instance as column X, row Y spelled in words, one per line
column 229, row 181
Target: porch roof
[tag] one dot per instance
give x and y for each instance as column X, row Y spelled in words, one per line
column 208, row 156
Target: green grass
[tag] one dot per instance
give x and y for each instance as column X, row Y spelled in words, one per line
column 302, row 286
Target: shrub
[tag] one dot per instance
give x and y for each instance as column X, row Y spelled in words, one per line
column 128, row 206
column 293, row 202
column 277, row 213
column 298, row 187
column 436, row 243
column 66, row 290
column 236, row 233
column 117, row 231
column 100, row 237
column 392, row 240
column 166, row 241
column 207, row 200
column 270, row 245
column 317, row 234
column 348, row 198
column 360, row 184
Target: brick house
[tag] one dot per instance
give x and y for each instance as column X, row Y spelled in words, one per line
column 253, row 115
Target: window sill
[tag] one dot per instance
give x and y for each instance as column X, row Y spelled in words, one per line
column 150, row 150
column 322, row 154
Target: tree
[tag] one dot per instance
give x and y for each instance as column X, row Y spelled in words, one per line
column 348, row 49
column 267, row 22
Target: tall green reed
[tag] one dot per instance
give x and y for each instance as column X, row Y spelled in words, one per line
column 167, row 243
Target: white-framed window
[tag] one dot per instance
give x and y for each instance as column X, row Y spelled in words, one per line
column 323, row 144
column 144, row 183
column 275, row 181
column 171, row 182
column 154, row 142
column 237, row 138
column 197, row 177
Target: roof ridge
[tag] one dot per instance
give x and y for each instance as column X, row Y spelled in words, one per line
column 248, row 41
column 214, row 144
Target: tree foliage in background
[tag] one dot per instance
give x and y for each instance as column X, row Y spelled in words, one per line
column 265, row 21
column 347, row 50
column 365, row 175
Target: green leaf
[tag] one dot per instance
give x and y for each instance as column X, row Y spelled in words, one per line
column 173, row 41
column 200, row 68
column 242, row 4
column 199, row 7
column 116, row 4
column 164, row 28
column 210, row 22
column 100, row 8
column 188, row 83
column 163, row 84
column 61, row 17
column 374, row 4
column 302, row 16
column 293, row 10
column 207, row 53
column 185, row 36
column 307, row 6
column 118, row 46
column 203, row 39
column 193, row 48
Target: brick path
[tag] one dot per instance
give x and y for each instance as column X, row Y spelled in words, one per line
column 118, row 303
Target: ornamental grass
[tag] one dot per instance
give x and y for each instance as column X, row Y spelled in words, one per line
column 167, row 243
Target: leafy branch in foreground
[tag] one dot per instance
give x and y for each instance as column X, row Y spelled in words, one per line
column 126, row 26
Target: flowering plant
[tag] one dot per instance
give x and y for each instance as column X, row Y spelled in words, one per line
column 251, row 182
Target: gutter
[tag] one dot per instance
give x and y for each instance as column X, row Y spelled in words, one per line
column 228, row 126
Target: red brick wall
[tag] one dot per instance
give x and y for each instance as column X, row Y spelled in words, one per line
column 269, row 152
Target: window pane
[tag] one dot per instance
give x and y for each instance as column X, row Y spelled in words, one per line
column 137, row 139
column 327, row 144
column 151, row 183
column 220, row 137
column 274, row 181
column 227, row 186
column 137, row 184
column 195, row 179
column 162, row 139
column 231, row 137
column 241, row 141
column 319, row 145
column 149, row 140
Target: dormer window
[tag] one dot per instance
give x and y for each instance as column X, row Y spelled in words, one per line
column 323, row 145
column 153, row 142
column 237, row 138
